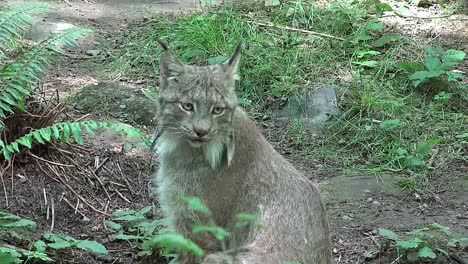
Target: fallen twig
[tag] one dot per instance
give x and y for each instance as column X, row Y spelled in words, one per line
column 48, row 161
column 123, row 197
column 100, row 165
column 59, row 179
column 4, row 188
column 101, row 183
column 52, row 208
column 323, row 35
column 73, row 207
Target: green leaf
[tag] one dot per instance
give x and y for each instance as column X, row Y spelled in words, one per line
column 390, row 124
column 20, row 223
column 402, row 11
column 374, row 26
column 384, row 40
column 77, row 133
column 370, row 64
column 113, row 225
column 195, row 204
column 433, row 64
column 25, row 141
column 219, row 232
column 401, row 152
column 66, row 132
column 45, row 133
column 421, row 76
column 9, row 256
column 192, row 52
column 366, row 53
column 216, row 60
column 38, row 137
column 384, row 7
column 412, row 243
column 37, row 255
column 129, row 218
column 441, row 228
column 177, row 242
column 56, row 132
column 453, row 56
column 414, row 162
column 40, row 246
column 62, row 244
column 92, row 246
column 145, row 210
column 388, row 234
column 425, row 148
column 426, row 252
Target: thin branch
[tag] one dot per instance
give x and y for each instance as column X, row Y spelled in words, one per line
column 323, row 35
column 50, row 162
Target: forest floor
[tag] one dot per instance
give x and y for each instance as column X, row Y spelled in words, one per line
column 64, row 182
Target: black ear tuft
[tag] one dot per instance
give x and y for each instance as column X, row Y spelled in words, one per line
column 232, row 64
column 236, row 54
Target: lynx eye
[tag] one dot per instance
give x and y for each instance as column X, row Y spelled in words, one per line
column 187, row 106
column 217, row 110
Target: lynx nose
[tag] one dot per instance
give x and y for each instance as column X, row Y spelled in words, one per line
column 201, row 131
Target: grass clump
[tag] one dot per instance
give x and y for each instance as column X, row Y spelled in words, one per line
column 388, row 123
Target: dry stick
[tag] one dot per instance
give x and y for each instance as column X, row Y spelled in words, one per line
column 74, row 192
column 100, row 183
column 72, row 207
column 123, row 197
column 4, row 188
column 52, row 206
column 81, row 118
column 45, row 196
column 100, row 165
column 297, row 29
column 124, row 178
column 48, row 161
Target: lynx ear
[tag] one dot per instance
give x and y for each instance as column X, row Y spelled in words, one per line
column 232, row 65
column 169, row 65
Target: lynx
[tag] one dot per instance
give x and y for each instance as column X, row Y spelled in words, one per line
column 209, row 148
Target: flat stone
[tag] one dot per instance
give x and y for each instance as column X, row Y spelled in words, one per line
column 41, row 30
column 312, row 108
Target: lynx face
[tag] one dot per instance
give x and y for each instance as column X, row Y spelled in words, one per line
column 197, row 104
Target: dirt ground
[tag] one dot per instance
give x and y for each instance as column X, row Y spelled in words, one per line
column 74, row 191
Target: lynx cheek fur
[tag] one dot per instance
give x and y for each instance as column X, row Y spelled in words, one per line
column 211, row 149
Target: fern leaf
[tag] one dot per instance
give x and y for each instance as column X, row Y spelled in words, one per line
column 64, row 131
column 20, row 77
column 15, row 19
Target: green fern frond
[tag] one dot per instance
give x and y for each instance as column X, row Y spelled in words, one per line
column 19, row 78
column 64, row 132
column 15, row 19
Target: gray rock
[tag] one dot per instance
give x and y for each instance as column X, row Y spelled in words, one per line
column 312, row 108
column 41, row 30
column 114, row 100
column 93, row 52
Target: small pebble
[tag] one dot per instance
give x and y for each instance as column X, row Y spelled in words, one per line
column 376, row 203
column 370, row 199
column 346, row 217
